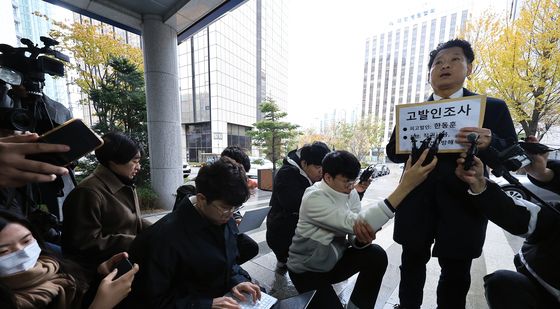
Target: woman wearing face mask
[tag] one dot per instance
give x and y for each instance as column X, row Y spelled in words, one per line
column 102, row 214
column 32, row 277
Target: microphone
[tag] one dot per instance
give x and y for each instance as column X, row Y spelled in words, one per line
column 471, row 152
column 472, row 137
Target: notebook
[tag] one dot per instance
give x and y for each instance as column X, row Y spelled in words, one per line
column 252, row 219
column 266, row 301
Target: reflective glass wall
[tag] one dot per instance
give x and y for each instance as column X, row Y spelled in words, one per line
column 226, row 70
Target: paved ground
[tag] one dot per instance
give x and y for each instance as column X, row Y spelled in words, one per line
column 498, row 253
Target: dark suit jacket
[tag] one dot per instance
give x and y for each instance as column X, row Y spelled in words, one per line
column 437, row 208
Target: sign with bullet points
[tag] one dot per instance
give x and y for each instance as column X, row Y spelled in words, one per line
column 428, row 119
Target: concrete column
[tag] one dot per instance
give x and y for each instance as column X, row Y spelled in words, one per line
column 164, row 117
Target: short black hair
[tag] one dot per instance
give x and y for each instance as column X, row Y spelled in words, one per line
column 238, row 155
column 314, row 153
column 341, row 162
column 224, row 180
column 117, row 147
column 465, row 46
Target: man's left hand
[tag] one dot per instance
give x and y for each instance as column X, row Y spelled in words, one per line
column 363, row 231
column 484, row 137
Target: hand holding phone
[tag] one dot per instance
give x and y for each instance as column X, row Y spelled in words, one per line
column 73, row 133
column 17, row 170
column 123, row 267
column 367, row 173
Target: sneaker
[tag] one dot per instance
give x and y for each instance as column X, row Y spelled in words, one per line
column 397, row 306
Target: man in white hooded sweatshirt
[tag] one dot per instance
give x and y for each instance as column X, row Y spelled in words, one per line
column 331, row 244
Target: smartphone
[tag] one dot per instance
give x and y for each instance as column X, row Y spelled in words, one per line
column 123, row 267
column 74, row 133
column 367, row 173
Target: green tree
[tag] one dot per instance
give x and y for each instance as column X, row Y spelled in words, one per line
column 110, row 74
column 358, row 138
column 519, row 61
column 271, row 133
column 120, row 99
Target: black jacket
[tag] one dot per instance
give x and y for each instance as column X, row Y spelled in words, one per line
column 539, row 225
column 437, row 208
column 289, row 186
column 185, row 261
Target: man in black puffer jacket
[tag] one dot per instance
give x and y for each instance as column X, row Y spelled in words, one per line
column 536, row 284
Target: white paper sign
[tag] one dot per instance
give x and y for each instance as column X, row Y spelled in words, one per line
column 421, row 120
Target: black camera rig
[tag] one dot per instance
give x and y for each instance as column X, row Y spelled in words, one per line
column 512, row 159
column 24, row 68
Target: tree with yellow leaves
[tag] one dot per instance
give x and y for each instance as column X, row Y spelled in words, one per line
column 518, row 60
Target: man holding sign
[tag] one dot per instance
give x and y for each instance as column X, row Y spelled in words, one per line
column 436, row 210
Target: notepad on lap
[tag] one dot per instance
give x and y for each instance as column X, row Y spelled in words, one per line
column 266, row 301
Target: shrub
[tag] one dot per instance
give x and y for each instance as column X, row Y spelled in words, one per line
column 147, row 197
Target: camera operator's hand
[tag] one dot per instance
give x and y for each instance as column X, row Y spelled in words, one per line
column 484, row 137
column 16, row 170
column 474, row 176
column 538, row 168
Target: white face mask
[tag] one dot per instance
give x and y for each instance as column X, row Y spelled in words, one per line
column 19, row 261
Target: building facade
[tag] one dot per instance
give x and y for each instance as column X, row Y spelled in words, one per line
column 396, row 58
column 226, row 70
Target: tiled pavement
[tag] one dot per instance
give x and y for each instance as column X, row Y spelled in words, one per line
column 498, row 253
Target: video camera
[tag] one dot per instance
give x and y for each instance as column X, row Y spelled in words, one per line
column 27, row 66
column 509, row 159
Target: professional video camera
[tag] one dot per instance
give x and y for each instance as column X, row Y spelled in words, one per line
column 24, row 68
column 512, row 159
column 509, row 159
column 26, row 108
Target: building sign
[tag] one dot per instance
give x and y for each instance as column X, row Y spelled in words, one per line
column 428, row 119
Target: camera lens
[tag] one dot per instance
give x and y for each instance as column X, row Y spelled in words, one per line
column 20, row 121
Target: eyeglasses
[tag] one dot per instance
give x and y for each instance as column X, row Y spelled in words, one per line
column 226, row 212
column 347, row 182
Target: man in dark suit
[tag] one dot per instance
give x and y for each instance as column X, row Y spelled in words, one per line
column 436, row 210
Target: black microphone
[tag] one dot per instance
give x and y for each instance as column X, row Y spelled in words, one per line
column 472, row 137
column 471, row 152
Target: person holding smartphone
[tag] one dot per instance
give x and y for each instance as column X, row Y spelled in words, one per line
column 102, row 214
column 16, row 170
column 31, row 276
column 536, row 281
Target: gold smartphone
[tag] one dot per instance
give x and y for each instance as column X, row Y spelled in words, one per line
column 74, row 133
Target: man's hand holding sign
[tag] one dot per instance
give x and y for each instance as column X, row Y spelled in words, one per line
column 456, row 118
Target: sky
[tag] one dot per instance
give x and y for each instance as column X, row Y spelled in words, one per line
column 327, row 49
